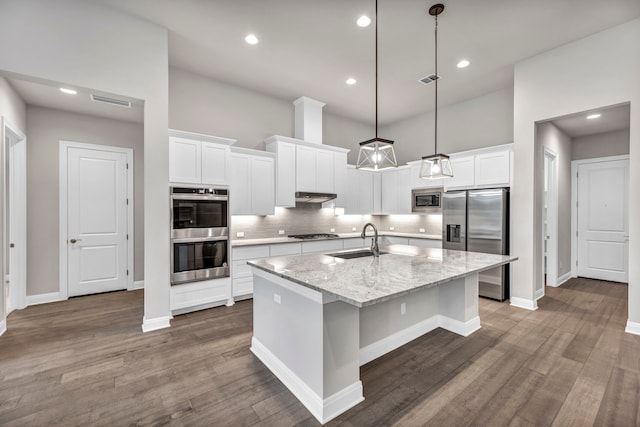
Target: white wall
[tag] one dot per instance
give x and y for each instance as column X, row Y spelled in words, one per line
column 559, row 82
column 46, row 127
column 12, row 107
column 600, row 145
column 203, row 105
column 550, row 136
column 93, row 47
column 479, row 122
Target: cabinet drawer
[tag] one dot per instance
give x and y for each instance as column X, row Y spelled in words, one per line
column 240, row 268
column 426, row 243
column 250, row 252
column 321, row 246
column 284, row 249
column 242, row 286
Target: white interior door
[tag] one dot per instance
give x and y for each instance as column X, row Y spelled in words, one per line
column 96, row 221
column 17, row 223
column 603, row 220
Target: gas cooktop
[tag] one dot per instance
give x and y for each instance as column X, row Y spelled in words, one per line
column 313, row 236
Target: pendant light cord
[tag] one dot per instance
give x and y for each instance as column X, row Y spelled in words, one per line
column 437, row 78
column 376, row 30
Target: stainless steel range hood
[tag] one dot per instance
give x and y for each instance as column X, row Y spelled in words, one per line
column 307, row 197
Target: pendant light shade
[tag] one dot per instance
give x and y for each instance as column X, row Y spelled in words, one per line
column 376, row 153
column 437, row 165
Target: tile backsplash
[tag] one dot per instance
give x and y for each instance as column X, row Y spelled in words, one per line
column 314, row 219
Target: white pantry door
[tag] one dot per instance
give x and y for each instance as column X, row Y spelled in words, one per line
column 603, row 220
column 96, row 221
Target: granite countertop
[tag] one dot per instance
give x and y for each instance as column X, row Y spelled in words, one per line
column 367, row 281
column 284, row 239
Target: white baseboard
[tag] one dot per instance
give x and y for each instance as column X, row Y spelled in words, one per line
column 400, row 338
column 43, row 298
column 564, row 278
column 149, row 325
column 457, row 327
column 323, row 410
column 539, row 293
column 527, row 304
column 138, row 284
column 632, row 328
column 3, row 326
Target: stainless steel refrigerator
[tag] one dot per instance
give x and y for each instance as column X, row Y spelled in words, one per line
column 478, row 221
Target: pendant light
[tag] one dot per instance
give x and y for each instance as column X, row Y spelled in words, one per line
column 376, row 153
column 436, row 165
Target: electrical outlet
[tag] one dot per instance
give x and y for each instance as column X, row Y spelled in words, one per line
column 353, row 229
column 277, row 299
column 403, row 308
column 240, row 234
column 422, row 230
column 392, row 228
column 281, row 232
column 333, row 230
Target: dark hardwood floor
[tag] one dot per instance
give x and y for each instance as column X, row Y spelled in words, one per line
column 86, row 362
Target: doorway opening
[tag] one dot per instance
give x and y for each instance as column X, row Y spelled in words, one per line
column 550, row 221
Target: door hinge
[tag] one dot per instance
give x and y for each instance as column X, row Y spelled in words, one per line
column 127, row 236
column 127, row 201
column 127, row 165
column 127, row 272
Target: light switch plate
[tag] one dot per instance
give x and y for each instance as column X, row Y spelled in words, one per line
column 353, row 229
column 333, row 230
column 422, row 230
column 240, row 234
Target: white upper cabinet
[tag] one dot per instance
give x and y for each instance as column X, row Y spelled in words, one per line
column 285, row 171
column 396, row 191
column 483, row 168
column 308, row 167
column 359, row 192
column 493, row 169
column 252, row 182
column 198, row 159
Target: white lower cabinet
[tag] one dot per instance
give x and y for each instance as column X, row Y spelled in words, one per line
column 195, row 296
column 322, row 246
column 242, row 277
column 355, row 243
column 393, row 240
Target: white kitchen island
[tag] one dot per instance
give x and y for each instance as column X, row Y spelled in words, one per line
column 318, row 318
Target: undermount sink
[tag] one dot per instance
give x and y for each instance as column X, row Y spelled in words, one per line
column 355, row 254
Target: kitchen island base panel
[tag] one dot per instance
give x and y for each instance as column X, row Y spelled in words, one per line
column 310, row 342
column 315, row 343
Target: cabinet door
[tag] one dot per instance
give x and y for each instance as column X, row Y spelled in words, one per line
column 417, row 182
column 305, row 168
column 215, row 163
column 325, row 171
column 184, row 160
column 240, row 194
column 365, row 192
column 262, row 186
column 390, row 192
column 463, row 173
column 493, row 169
column 426, row 243
column 341, row 186
column 285, row 173
column 351, row 198
column 404, row 191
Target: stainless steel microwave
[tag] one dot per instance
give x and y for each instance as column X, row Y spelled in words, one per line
column 426, row 200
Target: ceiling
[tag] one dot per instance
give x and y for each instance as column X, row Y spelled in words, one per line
column 611, row 119
column 310, row 47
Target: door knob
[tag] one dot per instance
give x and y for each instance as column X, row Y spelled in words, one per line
column 75, row 240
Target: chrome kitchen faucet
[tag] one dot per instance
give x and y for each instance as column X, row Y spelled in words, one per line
column 374, row 242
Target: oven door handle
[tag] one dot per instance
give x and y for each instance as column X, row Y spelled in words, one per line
column 199, row 239
column 200, row 197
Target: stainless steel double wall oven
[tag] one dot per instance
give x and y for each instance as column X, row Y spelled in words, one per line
column 199, row 234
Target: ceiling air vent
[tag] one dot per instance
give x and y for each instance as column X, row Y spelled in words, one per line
column 429, row 79
column 111, row 101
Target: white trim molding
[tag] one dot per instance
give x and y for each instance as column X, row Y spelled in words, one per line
column 563, row 279
column 3, row 326
column 632, row 328
column 324, row 410
column 527, row 304
column 44, row 298
column 149, row 325
column 137, row 284
column 458, row 327
column 539, row 293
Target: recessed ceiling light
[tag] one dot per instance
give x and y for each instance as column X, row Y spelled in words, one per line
column 363, row 21
column 464, row 63
column 68, row 91
column 251, row 39
column 593, row 116
column 351, row 81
